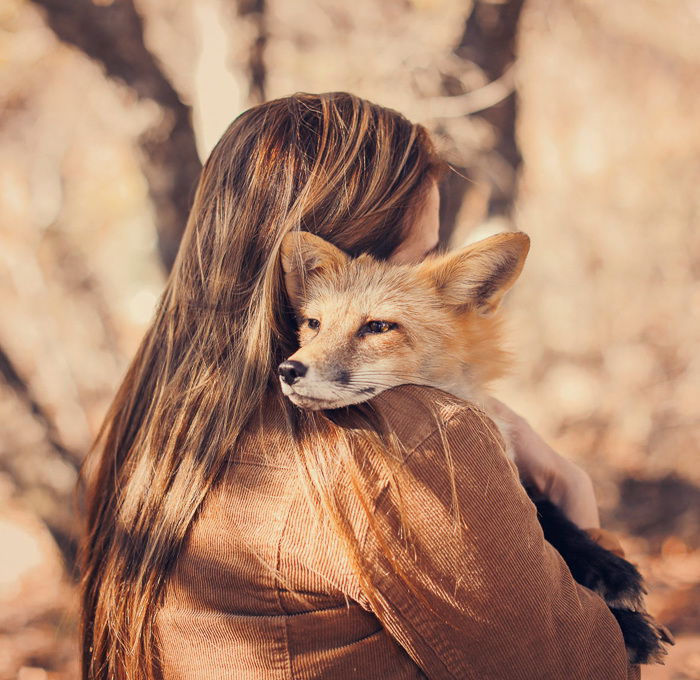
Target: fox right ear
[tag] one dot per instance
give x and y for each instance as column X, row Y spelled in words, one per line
column 303, row 254
column 479, row 275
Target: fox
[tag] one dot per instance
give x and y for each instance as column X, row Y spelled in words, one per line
column 367, row 325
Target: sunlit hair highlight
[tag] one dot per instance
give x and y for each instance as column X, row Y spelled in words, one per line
column 341, row 167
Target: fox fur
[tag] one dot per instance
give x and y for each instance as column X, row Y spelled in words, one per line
column 367, row 325
column 443, row 331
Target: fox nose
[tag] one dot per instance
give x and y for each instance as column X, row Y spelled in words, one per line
column 291, row 371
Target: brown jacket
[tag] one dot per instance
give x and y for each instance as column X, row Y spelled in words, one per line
column 260, row 593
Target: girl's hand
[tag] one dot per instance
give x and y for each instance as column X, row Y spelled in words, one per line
column 563, row 482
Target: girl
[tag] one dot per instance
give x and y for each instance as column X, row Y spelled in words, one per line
column 231, row 535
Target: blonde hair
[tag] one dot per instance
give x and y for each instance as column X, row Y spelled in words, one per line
column 333, row 164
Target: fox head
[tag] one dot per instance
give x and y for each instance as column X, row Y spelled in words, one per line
column 367, row 325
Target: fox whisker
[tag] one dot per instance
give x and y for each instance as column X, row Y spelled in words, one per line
column 371, row 374
column 374, row 383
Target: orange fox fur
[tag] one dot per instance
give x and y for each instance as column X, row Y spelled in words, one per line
column 367, row 325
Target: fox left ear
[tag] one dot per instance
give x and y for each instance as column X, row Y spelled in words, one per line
column 303, row 254
column 480, row 274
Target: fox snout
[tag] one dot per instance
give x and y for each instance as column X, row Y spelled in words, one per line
column 331, row 383
column 290, row 371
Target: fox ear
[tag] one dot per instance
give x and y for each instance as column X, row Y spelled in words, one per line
column 479, row 275
column 302, row 254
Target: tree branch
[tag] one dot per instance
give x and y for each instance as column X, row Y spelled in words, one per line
column 55, row 512
column 469, row 103
column 21, row 388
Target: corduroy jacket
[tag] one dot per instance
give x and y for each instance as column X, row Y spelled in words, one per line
column 262, row 592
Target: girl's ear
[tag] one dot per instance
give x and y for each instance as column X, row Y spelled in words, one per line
column 479, row 275
column 303, row 254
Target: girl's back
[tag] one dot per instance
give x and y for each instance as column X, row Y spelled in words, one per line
column 261, row 591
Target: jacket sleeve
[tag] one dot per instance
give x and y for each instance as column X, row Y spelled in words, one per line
column 488, row 598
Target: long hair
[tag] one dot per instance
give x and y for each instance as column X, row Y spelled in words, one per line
column 351, row 171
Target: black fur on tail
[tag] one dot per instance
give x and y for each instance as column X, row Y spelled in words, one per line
column 615, row 579
column 643, row 637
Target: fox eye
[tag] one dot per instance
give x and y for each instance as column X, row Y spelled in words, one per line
column 313, row 323
column 378, row 326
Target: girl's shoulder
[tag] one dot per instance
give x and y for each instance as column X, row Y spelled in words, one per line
column 415, row 413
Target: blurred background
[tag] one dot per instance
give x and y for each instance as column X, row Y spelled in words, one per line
column 577, row 121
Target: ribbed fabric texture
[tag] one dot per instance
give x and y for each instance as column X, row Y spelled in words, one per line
column 261, row 592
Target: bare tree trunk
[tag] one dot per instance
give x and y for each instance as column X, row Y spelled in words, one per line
column 113, row 36
column 253, row 11
column 489, row 41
